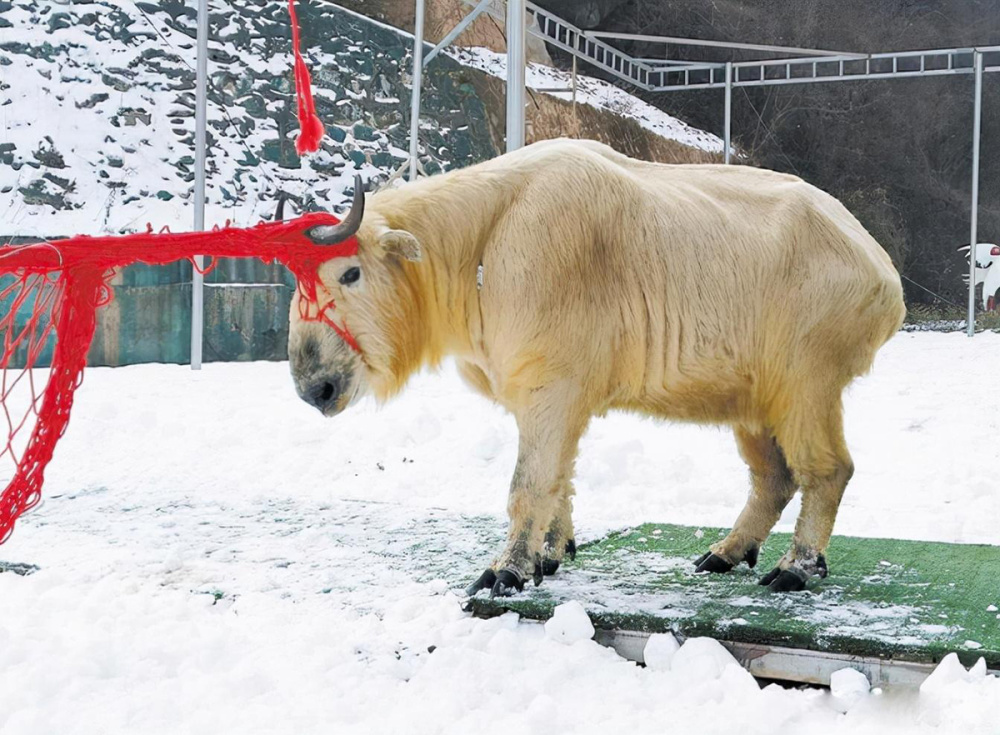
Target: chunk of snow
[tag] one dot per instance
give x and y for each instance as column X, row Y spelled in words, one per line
column 848, row 687
column 847, row 682
column 947, row 673
column 659, row 651
column 978, row 669
column 569, row 624
column 701, row 658
column 991, row 608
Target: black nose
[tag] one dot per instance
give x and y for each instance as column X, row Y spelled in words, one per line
column 324, row 393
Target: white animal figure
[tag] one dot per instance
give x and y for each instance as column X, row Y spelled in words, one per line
column 987, row 271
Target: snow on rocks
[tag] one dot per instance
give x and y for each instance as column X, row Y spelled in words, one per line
column 594, row 92
column 659, row 651
column 569, row 623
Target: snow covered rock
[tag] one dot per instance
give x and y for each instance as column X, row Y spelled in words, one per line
column 569, row 623
column 702, row 658
column 659, row 651
column 848, row 687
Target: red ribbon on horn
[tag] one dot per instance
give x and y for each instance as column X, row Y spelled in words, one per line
column 311, row 129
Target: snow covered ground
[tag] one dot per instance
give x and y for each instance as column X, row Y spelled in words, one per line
column 218, row 558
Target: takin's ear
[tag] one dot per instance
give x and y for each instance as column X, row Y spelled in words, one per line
column 401, row 244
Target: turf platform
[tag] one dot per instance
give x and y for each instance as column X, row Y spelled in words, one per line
column 906, row 601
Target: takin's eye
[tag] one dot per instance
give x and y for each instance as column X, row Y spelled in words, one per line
column 351, row 275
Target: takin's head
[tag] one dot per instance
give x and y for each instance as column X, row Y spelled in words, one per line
column 365, row 343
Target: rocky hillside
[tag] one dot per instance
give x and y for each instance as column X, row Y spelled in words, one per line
column 97, row 100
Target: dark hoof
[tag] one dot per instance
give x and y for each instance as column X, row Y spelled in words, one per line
column 486, row 581
column 821, row 569
column 538, row 574
column 507, row 583
column 571, row 549
column 709, row 562
column 769, row 577
column 785, row 580
column 550, row 567
column 751, row 556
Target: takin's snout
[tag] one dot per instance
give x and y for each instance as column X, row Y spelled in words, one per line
column 324, row 393
column 324, row 382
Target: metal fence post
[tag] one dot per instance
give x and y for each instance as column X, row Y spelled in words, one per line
column 515, row 74
column 727, row 135
column 977, row 115
column 576, row 118
column 200, row 124
column 418, row 81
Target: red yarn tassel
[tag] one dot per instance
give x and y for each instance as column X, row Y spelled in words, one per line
column 311, row 129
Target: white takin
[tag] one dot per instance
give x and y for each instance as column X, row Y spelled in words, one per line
column 706, row 293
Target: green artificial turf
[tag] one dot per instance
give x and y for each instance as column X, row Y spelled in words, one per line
column 905, row 600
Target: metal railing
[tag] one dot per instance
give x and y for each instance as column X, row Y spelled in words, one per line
column 896, row 65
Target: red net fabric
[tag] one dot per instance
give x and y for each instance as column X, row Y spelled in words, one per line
column 25, row 338
column 50, row 293
column 49, row 296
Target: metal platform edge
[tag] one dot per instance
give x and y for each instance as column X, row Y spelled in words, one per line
column 778, row 663
column 799, row 666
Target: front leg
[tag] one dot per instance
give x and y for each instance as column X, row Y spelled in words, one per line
column 550, row 430
column 559, row 539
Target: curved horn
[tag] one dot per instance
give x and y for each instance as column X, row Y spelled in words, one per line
column 332, row 234
column 279, row 213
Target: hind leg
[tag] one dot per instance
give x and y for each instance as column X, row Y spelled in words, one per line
column 771, row 487
column 813, row 438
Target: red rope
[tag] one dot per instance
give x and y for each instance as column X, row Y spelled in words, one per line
column 309, row 123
